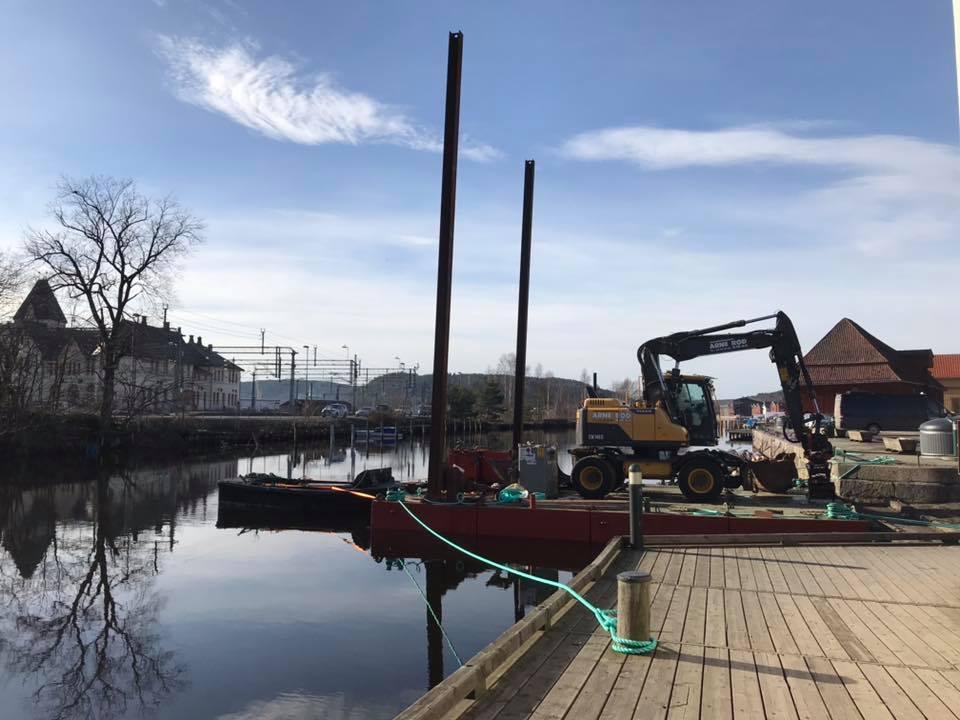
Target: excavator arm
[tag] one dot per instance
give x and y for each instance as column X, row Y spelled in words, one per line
column 785, row 352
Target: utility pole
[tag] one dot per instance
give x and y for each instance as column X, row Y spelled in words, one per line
column 253, row 391
column 180, row 372
column 131, row 400
column 164, row 315
column 354, row 372
column 306, row 378
column 263, row 335
column 293, row 367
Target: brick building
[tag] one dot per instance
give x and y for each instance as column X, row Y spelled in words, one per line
column 946, row 371
column 850, row 358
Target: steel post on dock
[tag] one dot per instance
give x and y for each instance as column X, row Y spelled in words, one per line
column 523, row 303
column 436, row 482
column 635, row 487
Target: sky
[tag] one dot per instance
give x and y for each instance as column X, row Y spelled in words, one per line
column 696, row 163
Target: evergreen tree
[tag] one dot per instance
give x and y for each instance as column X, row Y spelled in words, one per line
column 491, row 400
column 462, row 402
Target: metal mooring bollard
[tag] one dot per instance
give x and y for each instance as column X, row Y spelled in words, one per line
column 633, row 605
column 635, row 486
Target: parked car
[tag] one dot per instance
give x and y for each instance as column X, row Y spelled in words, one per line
column 364, row 412
column 855, row 410
column 827, row 423
column 335, row 410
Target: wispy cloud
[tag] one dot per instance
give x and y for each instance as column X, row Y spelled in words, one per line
column 271, row 96
column 665, row 148
column 881, row 194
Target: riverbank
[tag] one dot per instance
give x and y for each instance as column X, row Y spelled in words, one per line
column 77, row 435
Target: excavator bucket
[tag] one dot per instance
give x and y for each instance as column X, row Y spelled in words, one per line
column 775, row 476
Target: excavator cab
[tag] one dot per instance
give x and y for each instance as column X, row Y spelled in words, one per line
column 696, row 405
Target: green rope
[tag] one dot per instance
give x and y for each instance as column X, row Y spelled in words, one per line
column 857, row 458
column 607, row 619
column 446, row 637
column 842, row 511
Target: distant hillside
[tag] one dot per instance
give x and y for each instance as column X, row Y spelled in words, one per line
column 547, row 396
column 773, row 396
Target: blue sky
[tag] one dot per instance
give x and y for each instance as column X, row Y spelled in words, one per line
column 696, row 162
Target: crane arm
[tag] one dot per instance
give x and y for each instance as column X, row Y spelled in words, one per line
column 785, row 352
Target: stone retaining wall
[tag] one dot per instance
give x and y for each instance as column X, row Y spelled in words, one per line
column 874, row 483
column 907, row 483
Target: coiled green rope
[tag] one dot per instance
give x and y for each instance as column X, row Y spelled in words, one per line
column 607, row 619
column 842, row 511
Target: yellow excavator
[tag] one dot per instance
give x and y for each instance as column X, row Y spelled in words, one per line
column 673, row 432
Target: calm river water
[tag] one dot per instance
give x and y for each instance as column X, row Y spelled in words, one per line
column 121, row 597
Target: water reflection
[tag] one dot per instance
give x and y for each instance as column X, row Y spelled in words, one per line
column 130, row 593
column 78, row 621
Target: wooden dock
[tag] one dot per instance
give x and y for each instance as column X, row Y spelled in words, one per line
column 817, row 631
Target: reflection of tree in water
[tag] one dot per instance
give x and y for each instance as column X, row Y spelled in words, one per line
column 82, row 626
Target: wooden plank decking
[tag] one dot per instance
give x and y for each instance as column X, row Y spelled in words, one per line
column 835, row 632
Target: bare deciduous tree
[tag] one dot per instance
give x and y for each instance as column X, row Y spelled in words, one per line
column 11, row 277
column 20, row 377
column 83, row 626
column 114, row 249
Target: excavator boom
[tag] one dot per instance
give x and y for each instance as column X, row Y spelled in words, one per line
column 785, row 352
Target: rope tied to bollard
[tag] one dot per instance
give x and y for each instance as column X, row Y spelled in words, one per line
column 607, row 619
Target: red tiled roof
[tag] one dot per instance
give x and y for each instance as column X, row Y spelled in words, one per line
column 946, row 366
column 849, row 344
column 850, row 355
column 853, row 374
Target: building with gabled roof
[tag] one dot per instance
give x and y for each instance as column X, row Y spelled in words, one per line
column 41, row 306
column 850, row 358
column 946, row 371
column 158, row 370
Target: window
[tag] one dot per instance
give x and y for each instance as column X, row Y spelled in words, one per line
column 692, row 403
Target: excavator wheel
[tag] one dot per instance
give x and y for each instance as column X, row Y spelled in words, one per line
column 592, row 477
column 701, row 480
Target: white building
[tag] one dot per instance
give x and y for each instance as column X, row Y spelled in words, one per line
column 159, row 371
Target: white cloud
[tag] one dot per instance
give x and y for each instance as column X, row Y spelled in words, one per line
column 269, row 96
column 665, row 148
column 881, row 195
